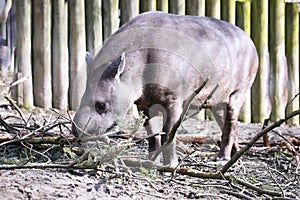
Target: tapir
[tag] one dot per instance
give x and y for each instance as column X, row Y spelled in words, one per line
column 156, row 61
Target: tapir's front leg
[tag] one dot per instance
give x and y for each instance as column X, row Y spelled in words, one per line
column 171, row 115
column 155, row 141
column 151, row 128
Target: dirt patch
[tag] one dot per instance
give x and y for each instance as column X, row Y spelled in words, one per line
column 260, row 173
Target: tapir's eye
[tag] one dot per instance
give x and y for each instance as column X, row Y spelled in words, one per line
column 100, row 107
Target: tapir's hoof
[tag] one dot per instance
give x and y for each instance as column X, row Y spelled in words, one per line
column 172, row 164
column 222, row 158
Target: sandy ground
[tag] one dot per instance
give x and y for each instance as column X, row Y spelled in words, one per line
column 273, row 171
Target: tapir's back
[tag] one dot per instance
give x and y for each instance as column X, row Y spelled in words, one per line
column 199, row 28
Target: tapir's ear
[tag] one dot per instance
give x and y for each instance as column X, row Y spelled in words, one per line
column 88, row 58
column 116, row 68
column 121, row 66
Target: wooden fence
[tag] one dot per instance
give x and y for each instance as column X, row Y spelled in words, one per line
column 50, row 38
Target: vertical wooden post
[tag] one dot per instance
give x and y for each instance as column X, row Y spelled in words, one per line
column 129, row 9
column 148, row 5
column 177, row 7
column 110, row 17
column 228, row 10
column 93, row 25
column 4, row 55
column 292, row 53
column 162, row 5
column 23, row 48
column 244, row 22
column 60, row 55
column 5, row 7
column 261, row 106
column 42, row 53
column 4, row 36
column 213, row 8
column 195, row 7
column 77, row 52
column 11, row 38
column 278, row 63
column 19, row 89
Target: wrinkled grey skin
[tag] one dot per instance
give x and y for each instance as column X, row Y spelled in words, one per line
column 156, row 61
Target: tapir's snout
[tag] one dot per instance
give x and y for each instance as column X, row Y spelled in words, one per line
column 92, row 126
column 77, row 132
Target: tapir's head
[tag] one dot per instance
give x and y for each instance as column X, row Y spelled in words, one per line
column 102, row 101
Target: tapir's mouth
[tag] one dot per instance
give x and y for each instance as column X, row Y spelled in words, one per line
column 111, row 127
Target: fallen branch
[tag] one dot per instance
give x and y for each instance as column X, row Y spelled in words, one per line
column 195, row 138
column 25, row 136
column 137, row 162
column 219, row 175
column 7, row 126
column 142, row 135
column 236, row 194
column 6, row 139
column 36, row 140
column 253, row 141
column 47, row 166
column 259, row 190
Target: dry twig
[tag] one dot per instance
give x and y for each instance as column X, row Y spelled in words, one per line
column 219, row 175
column 15, row 106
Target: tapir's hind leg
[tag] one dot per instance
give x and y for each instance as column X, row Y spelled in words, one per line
column 226, row 115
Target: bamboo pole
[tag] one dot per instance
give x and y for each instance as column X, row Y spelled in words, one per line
column 77, row 52
column 60, row 55
column 93, row 26
column 279, row 74
column 177, row 7
column 292, row 53
column 42, row 53
column 261, row 105
column 129, row 9
column 213, row 8
column 110, row 17
column 228, row 10
column 162, row 5
column 195, row 7
column 244, row 22
column 148, row 5
column 23, row 49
